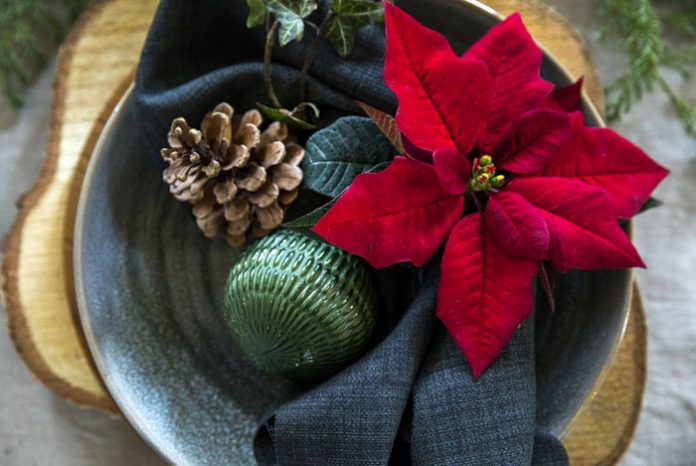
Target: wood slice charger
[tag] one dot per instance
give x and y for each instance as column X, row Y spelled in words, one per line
column 96, row 65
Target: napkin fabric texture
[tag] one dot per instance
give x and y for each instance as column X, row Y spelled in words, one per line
column 411, row 399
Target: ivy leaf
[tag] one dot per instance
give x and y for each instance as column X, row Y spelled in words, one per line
column 359, row 13
column 257, row 13
column 349, row 16
column 337, row 154
column 341, row 35
column 301, row 8
column 284, row 116
column 291, row 14
column 386, row 124
column 291, row 28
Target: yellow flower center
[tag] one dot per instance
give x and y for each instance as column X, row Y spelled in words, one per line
column 483, row 175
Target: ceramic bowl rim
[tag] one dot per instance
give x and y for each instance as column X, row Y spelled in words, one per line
column 84, row 308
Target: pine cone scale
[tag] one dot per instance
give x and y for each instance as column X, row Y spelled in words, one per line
column 238, row 176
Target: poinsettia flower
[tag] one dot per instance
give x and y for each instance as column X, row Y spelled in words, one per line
column 539, row 185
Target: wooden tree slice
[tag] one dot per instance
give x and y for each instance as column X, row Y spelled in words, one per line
column 99, row 54
column 96, row 65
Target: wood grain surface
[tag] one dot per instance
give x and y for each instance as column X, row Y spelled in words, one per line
column 96, row 64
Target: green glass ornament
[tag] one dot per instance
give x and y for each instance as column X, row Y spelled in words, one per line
column 298, row 307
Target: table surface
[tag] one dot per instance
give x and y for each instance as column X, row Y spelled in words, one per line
column 38, row 428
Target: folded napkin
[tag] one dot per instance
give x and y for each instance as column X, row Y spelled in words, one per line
column 411, row 399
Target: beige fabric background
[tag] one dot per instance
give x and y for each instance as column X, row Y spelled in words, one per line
column 37, row 428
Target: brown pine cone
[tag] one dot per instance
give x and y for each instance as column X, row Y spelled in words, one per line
column 238, row 178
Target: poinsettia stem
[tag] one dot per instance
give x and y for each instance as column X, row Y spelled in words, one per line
column 545, row 278
column 312, row 54
column 268, row 52
column 476, row 201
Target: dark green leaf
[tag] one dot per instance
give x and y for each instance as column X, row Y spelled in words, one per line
column 257, row 13
column 310, row 219
column 651, row 203
column 291, row 14
column 359, row 12
column 301, row 8
column 291, row 28
column 283, row 115
column 337, row 154
column 341, row 35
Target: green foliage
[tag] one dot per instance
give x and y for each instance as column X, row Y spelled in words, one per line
column 341, row 35
column 310, row 219
column 257, row 13
column 685, row 111
column 285, row 116
column 359, row 12
column 651, row 203
column 289, row 18
column 641, row 29
column 338, row 153
column 23, row 26
column 348, row 17
column 339, row 26
column 291, row 14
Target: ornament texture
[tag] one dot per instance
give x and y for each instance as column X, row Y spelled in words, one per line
column 238, row 177
column 298, row 307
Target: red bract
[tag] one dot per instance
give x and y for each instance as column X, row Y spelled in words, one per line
column 544, row 186
column 401, row 215
column 484, row 292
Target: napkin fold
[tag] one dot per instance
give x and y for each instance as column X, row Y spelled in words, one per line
column 411, row 399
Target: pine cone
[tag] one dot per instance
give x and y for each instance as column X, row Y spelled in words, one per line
column 237, row 177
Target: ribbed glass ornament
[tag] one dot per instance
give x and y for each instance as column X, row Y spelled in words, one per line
column 298, row 307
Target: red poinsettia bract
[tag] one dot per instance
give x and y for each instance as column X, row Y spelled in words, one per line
column 539, row 184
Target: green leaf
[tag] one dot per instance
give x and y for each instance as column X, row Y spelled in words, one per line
column 284, row 116
column 291, row 28
column 291, row 14
column 341, row 35
column 310, row 219
column 335, row 155
column 301, row 8
column 651, row 203
column 359, row 12
column 257, row 13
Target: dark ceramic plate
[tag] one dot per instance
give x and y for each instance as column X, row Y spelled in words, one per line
column 149, row 289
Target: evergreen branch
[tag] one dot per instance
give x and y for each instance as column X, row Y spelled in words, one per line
column 683, row 20
column 23, row 25
column 685, row 111
column 641, row 30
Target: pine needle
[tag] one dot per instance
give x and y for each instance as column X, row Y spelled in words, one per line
column 641, row 30
column 23, row 27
